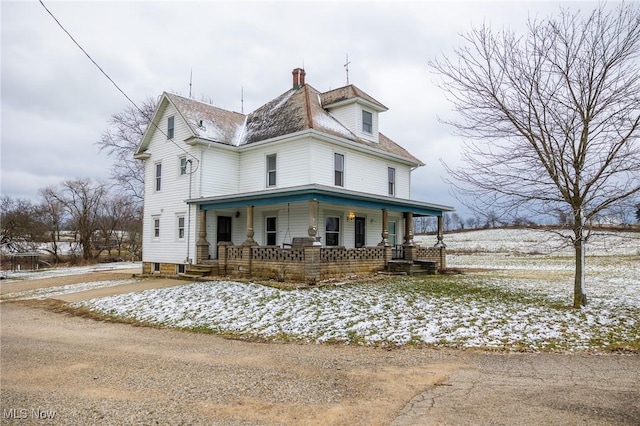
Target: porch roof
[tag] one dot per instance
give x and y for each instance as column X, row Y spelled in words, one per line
column 320, row 193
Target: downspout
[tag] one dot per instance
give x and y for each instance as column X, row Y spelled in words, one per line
column 188, row 260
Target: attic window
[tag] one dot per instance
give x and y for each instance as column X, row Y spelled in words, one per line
column 170, row 127
column 367, row 122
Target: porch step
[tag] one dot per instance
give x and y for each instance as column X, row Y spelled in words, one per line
column 199, row 270
column 416, row 267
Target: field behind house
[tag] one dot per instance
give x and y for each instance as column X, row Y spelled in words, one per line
column 516, row 294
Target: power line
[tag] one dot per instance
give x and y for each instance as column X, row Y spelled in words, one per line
column 114, row 83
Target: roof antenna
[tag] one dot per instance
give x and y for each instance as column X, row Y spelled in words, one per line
column 346, row 67
column 190, row 81
column 242, row 99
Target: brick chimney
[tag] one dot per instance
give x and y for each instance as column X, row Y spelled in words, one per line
column 298, row 78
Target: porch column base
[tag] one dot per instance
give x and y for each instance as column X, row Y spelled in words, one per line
column 385, row 229
column 202, row 245
column 312, row 269
column 250, row 241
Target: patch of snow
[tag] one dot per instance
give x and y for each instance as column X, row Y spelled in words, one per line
column 43, row 293
column 61, row 272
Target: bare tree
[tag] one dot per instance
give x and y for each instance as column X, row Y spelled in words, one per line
column 552, row 117
column 121, row 139
column 115, row 217
column 458, row 222
column 52, row 212
column 82, row 199
column 21, row 228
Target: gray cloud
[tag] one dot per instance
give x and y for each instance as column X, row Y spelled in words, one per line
column 55, row 103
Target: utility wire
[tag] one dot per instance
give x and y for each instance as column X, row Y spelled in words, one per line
column 116, row 85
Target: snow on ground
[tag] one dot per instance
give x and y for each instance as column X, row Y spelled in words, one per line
column 521, row 301
column 49, row 292
column 536, row 241
column 12, row 276
column 522, row 304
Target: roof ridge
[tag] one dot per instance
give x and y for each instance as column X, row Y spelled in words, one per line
column 307, row 102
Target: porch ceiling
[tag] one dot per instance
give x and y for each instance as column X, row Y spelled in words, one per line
column 320, row 193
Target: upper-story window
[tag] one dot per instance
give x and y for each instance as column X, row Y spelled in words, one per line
column 170, row 127
column 391, row 172
column 158, row 176
column 271, row 170
column 338, row 166
column 367, row 122
column 183, row 165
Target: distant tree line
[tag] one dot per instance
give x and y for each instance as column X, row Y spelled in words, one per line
column 79, row 218
column 623, row 216
column 83, row 218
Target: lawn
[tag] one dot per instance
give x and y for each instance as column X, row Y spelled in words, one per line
column 520, row 300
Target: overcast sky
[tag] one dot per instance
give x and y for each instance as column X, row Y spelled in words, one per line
column 56, row 103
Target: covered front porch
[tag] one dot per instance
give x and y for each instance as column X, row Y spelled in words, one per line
column 311, row 233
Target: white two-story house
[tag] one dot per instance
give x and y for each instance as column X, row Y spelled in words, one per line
column 304, row 187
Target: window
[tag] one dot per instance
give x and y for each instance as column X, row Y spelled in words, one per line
column 392, row 180
column 272, row 231
column 181, row 227
column 170, row 127
column 271, row 170
column 338, row 161
column 156, row 227
column 180, row 269
column 367, row 122
column 183, row 166
column 158, row 176
column 156, row 267
column 332, row 231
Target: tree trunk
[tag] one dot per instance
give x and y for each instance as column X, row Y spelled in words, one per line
column 579, row 295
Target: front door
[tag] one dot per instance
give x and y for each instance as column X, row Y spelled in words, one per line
column 360, row 231
column 224, row 229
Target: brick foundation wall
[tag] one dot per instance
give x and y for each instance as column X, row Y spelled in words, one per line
column 165, row 268
column 307, row 264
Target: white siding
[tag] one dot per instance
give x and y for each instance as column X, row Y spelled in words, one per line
column 293, row 166
column 167, row 203
column 219, row 169
column 350, row 116
column 362, row 172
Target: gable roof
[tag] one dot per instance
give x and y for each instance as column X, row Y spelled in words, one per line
column 349, row 94
column 207, row 121
column 299, row 109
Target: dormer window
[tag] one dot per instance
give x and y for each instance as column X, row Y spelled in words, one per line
column 170, row 127
column 367, row 122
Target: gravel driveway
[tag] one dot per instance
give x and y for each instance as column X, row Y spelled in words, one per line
column 81, row 371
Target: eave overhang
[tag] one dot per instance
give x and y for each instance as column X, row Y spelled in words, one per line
column 319, row 193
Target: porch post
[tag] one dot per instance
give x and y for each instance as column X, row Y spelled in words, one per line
column 408, row 248
column 440, row 245
column 313, row 221
column 408, row 229
column 249, row 241
column 202, row 246
column 440, row 230
column 385, row 228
